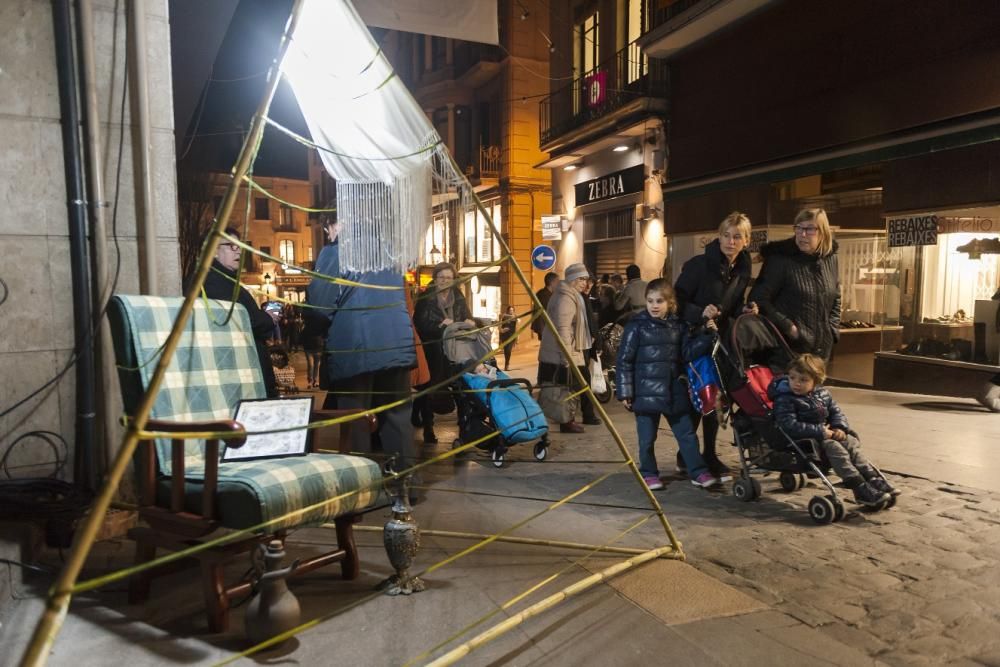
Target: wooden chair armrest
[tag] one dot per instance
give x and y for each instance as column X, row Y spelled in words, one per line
column 177, row 473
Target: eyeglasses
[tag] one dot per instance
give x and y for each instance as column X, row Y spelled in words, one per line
column 806, row 231
column 231, row 246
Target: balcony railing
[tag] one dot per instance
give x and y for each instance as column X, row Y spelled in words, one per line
column 628, row 76
column 489, row 164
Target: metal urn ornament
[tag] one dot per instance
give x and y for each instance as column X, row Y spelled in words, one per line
column 402, row 540
column 274, row 609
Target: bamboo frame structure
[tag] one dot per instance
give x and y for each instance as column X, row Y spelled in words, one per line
column 459, row 652
column 61, row 592
column 461, row 535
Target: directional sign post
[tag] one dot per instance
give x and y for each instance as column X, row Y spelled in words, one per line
column 543, row 257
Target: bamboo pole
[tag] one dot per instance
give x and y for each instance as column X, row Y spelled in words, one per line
column 459, row 652
column 616, row 436
column 520, row 540
column 59, row 596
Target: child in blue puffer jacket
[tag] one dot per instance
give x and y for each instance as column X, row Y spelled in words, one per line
column 653, row 347
column 804, row 409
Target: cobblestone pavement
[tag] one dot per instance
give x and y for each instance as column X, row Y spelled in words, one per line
column 918, row 584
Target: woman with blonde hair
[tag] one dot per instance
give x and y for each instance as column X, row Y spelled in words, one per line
column 799, row 286
column 712, row 286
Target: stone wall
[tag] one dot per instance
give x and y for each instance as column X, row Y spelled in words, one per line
column 36, row 337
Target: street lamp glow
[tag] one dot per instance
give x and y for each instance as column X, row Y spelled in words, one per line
column 569, row 167
column 620, row 149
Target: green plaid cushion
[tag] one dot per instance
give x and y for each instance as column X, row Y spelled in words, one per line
column 251, row 492
column 215, row 365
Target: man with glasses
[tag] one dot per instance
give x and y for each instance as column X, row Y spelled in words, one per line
column 799, row 285
column 221, row 283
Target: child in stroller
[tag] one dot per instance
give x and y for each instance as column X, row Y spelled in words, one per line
column 804, row 409
column 488, row 400
column 753, row 359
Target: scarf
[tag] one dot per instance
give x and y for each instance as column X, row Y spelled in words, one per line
column 582, row 339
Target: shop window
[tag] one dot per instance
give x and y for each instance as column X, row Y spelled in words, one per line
column 261, row 208
column 953, row 281
column 286, row 251
column 481, row 246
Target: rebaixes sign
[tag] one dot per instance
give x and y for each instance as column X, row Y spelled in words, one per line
column 616, row 184
column 912, row 230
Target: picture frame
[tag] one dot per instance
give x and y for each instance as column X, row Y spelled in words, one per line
column 269, row 414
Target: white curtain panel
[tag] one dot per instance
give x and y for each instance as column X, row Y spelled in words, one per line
column 374, row 139
column 470, row 20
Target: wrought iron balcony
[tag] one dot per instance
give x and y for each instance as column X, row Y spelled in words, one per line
column 488, row 166
column 628, row 76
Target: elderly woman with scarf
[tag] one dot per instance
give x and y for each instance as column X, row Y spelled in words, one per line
column 569, row 312
column 440, row 306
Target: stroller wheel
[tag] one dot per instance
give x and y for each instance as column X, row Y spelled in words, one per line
column 891, row 502
column 541, row 451
column 746, row 489
column 822, row 510
column 789, row 481
column 497, row 457
column 838, row 508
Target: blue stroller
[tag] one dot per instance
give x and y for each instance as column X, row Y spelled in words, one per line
column 506, row 404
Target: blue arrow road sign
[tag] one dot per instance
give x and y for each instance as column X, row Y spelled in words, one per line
column 543, row 257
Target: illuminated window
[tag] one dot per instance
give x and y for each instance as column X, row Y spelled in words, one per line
column 286, row 251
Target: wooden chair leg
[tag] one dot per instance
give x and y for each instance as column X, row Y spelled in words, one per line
column 216, row 599
column 138, row 585
column 351, row 565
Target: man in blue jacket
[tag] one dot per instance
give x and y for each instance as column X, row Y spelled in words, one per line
column 369, row 349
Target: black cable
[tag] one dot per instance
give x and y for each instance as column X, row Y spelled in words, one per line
column 6, row 291
column 59, row 459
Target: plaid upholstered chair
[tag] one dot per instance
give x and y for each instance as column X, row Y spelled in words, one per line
column 186, row 492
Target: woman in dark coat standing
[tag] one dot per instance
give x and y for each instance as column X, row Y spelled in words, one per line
column 713, row 286
column 799, row 285
column 440, row 306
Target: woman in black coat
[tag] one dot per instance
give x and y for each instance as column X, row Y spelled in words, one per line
column 713, row 286
column 799, row 285
column 440, row 306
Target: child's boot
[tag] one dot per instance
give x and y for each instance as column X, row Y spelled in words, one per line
column 883, row 485
column 867, row 495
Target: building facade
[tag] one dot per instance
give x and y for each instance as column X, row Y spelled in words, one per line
column 885, row 114
column 602, row 127
column 276, row 229
column 483, row 101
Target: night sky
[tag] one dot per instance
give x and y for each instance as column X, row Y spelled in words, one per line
column 246, row 52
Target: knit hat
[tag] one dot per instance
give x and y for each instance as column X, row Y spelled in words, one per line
column 574, row 271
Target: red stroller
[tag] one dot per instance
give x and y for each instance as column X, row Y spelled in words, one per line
column 753, row 354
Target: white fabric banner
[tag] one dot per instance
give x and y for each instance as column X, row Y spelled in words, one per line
column 471, row 20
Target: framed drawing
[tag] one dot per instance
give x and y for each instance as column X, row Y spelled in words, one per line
column 271, row 414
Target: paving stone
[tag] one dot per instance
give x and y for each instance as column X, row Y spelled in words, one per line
column 958, row 561
column 904, row 658
column 939, row 588
column 875, row 581
column 819, row 646
column 950, row 610
column 808, row 615
column 853, row 636
column 990, row 658
column 979, row 631
column 935, row 646
column 898, row 628
column 887, row 603
column 933, row 521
